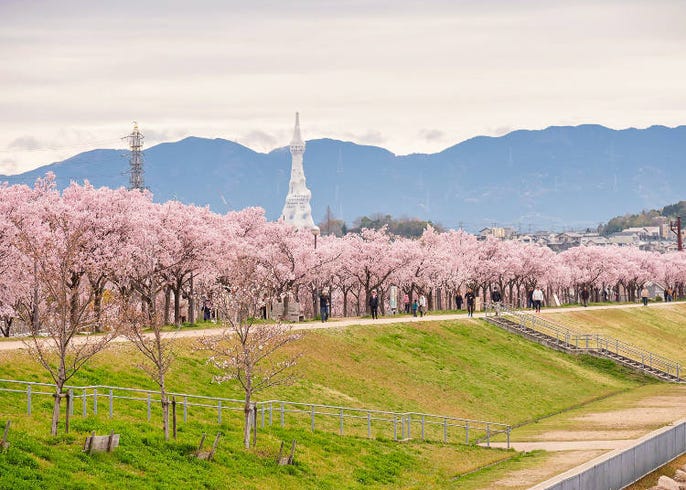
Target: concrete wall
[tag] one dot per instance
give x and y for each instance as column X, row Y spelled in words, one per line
column 622, row 467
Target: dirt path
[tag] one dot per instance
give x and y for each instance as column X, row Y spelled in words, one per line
column 591, row 431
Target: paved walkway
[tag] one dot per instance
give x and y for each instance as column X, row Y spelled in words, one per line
column 6, row 344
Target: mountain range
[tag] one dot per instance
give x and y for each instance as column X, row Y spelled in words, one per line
column 561, row 177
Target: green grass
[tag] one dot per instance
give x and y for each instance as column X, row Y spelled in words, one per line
column 659, row 329
column 460, row 368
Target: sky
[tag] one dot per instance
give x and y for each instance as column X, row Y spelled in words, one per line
column 408, row 75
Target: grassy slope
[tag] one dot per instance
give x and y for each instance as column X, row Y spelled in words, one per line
column 464, row 368
column 659, row 329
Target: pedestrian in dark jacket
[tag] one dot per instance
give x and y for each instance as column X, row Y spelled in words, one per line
column 469, row 296
column 374, row 305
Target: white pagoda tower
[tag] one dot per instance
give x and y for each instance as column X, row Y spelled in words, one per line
column 297, row 211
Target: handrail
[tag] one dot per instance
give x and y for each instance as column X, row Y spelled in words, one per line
column 571, row 339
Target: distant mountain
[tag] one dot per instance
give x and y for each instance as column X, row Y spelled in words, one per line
column 559, row 177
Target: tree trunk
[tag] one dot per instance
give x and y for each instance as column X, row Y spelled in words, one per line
column 56, row 411
column 167, row 304
column 247, row 427
column 191, row 303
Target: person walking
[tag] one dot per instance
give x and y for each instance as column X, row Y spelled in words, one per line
column 496, row 299
column 374, row 304
column 406, row 303
column 537, row 298
column 470, row 298
column 415, row 306
column 644, row 296
column 584, row 296
column 458, row 300
column 324, row 305
column 422, row 304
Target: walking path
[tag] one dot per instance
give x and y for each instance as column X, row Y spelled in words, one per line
column 6, row 344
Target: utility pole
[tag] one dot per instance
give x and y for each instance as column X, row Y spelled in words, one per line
column 135, row 140
column 675, row 226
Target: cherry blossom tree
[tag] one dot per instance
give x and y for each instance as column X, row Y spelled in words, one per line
column 55, row 239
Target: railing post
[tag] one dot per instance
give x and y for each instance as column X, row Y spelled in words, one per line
column 312, row 416
column 219, row 411
column 262, row 412
column 95, row 401
column 282, row 415
column 508, row 436
column 84, row 403
column 488, row 435
column 395, row 428
column 111, row 404
column 341, row 425
column 445, row 430
column 149, row 407
column 270, row 413
column 369, row 425
column 185, row 409
column 28, row 399
column 677, row 372
column 409, row 427
column 466, row 432
column 423, row 427
column 71, row 400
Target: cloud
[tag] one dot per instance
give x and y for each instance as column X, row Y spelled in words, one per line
column 371, row 137
column 261, row 140
column 9, row 167
column 164, row 134
column 501, row 130
column 25, row 143
column 432, row 134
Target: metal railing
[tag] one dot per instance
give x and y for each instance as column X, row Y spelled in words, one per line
column 89, row 400
column 595, row 343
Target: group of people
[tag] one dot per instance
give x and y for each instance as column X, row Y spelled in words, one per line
column 419, row 304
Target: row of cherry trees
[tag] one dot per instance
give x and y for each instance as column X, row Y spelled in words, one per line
column 89, row 249
column 112, row 261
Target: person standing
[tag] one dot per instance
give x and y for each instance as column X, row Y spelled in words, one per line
column 206, row 310
column 644, row 296
column 422, row 304
column 406, row 303
column 470, row 298
column 374, row 305
column 537, row 298
column 458, row 300
column 584, row 296
column 415, row 306
column 324, row 305
column 496, row 298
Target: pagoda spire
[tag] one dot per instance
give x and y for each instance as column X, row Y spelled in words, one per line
column 297, row 210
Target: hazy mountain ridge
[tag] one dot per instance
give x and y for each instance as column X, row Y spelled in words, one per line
column 557, row 177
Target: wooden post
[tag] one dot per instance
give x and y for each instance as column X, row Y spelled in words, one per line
column 4, row 444
column 68, row 410
column 174, row 416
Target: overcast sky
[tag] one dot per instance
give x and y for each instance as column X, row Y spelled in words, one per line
column 408, row 75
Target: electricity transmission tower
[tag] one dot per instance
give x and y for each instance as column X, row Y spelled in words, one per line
column 675, row 226
column 135, row 140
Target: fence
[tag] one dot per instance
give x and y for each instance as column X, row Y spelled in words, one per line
column 570, row 340
column 344, row 420
column 621, row 468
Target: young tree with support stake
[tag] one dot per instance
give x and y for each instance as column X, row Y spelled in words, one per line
column 247, row 352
